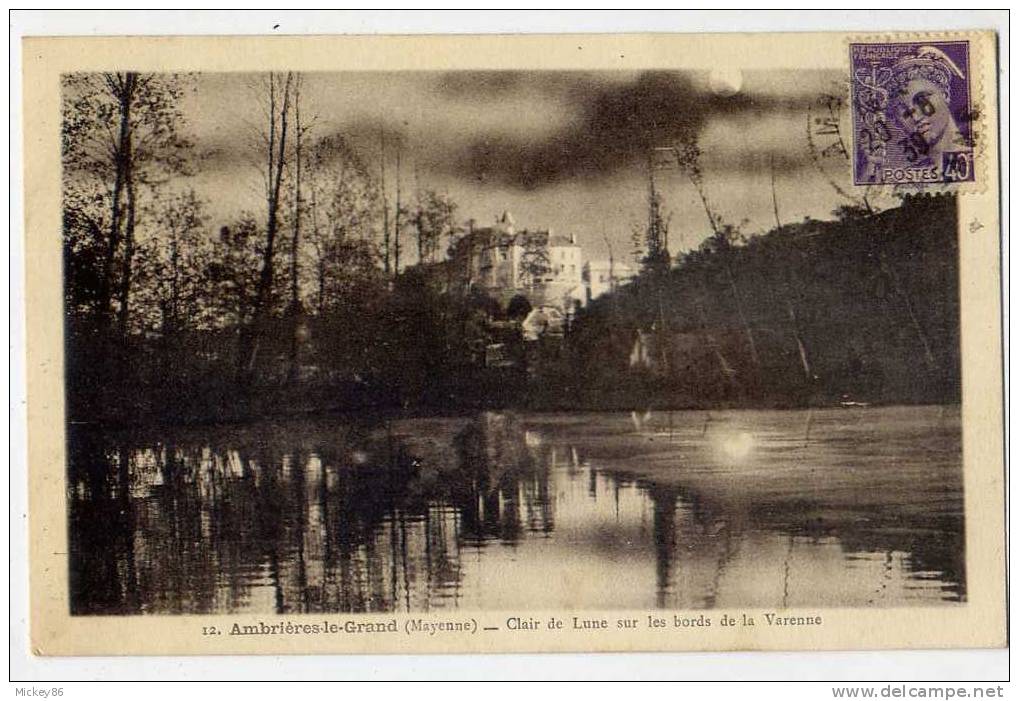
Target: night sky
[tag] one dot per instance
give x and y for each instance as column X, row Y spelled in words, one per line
column 558, row 149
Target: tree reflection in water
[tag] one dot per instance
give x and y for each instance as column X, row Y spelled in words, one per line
column 372, row 517
column 340, row 519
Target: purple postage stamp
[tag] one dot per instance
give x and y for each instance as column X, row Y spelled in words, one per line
column 912, row 113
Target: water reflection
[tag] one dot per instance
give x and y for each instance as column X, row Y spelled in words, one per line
column 509, row 512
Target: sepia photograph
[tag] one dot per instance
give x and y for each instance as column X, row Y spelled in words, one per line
column 392, row 352
column 372, row 342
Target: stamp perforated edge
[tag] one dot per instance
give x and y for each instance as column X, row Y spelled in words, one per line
column 978, row 103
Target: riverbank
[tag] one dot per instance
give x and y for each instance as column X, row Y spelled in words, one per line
column 863, row 309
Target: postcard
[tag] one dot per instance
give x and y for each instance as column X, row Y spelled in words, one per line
column 513, row 343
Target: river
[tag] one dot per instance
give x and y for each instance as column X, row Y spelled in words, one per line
column 684, row 510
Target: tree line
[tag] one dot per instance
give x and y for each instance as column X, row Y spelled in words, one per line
column 148, row 272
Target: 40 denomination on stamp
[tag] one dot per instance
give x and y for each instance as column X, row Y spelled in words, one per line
column 912, row 113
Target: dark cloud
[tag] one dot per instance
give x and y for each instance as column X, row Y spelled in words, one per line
column 610, row 125
column 525, row 130
column 607, row 128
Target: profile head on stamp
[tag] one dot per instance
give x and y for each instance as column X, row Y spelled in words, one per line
column 920, row 88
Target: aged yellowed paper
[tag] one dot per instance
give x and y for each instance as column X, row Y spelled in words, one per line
column 513, row 343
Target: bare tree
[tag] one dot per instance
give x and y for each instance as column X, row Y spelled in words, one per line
column 279, row 89
column 121, row 134
column 801, row 346
column 294, row 308
column 656, row 237
column 385, row 200
column 397, row 224
column 298, row 198
column 342, row 200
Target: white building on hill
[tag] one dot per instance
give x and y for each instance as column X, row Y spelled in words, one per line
column 505, row 262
